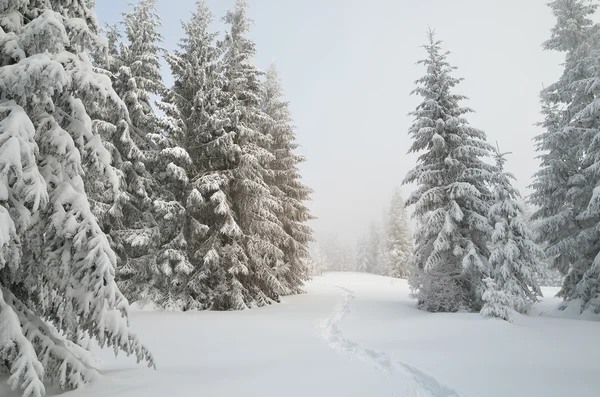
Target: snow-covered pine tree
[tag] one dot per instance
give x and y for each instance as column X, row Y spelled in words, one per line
column 140, row 54
column 286, row 185
column 338, row 256
column 398, row 244
column 154, row 263
column 581, row 288
column 547, row 276
column 126, row 218
column 60, row 284
column 564, row 187
column 244, row 227
column 361, row 255
column 347, row 258
column 108, row 59
column 193, row 116
column 515, row 258
column 452, row 198
column 214, row 110
column 320, row 261
column 330, row 248
column 374, row 257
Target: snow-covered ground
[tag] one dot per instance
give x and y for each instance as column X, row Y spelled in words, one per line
column 355, row 335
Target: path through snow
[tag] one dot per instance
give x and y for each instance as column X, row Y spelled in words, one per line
column 288, row 350
column 425, row 385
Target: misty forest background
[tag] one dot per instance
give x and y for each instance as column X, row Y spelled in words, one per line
column 115, row 188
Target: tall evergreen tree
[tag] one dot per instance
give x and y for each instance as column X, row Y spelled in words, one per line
column 452, row 198
column 141, row 56
column 108, row 59
column 214, row 109
column 399, row 244
column 582, row 283
column 323, row 258
column 152, row 249
column 195, row 120
column 361, row 255
column 564, row 187
column 286, row 185
column 244, row 224
column 53, row 159
column 515, row 258
column 330, row 248
column 547, row 275
column 337, row 256
column 374, row 257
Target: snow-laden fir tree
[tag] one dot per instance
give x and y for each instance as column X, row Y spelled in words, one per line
column 581, row 288
column 546, row 276
column 286, row 185
column 361, row 255
column 330, row 249
column 57, row 268
column 243, row 226
column 195, row 121
column 152, row 249
column 108, row 59
column 348, row 259
column 398, row 244
column 138, row 76
column 566, row 217
column 320, row 256
column 374, row 257
column 452, row 196
column 316, row 262
column 320, row 260
column 214, row 110
column 515, row 257
column 254, row 203
column 140, row 54
column 559, row 181
column 132, row 228
column 338, row 256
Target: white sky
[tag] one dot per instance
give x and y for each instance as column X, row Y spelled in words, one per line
column 348, row 67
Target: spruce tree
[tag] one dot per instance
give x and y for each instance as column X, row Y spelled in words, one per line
column 214, row 110
column 140, row 55
column 193, row 116
column 581, row 286
column 452, row 197
column 361, row 255
column 564, row 187
column 286, row 186
column 547, row 275
column 374, row 257
column 337, row 256
column 244, row 225
column 330, row 249
column 108, row 59
column 348, row 259
column 515, row 258
column 319, row 262
column 56, row 264
column 154, row 262
column 399, row 244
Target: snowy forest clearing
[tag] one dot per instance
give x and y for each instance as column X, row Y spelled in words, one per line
column 354, row 335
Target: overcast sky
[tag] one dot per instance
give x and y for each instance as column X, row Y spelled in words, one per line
column 348, row 67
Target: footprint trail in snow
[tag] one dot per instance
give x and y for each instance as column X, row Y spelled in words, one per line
column 424, row 385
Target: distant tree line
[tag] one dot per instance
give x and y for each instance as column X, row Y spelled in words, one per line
column 384, row 250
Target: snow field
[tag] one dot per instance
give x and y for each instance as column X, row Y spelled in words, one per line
column 354, row 335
